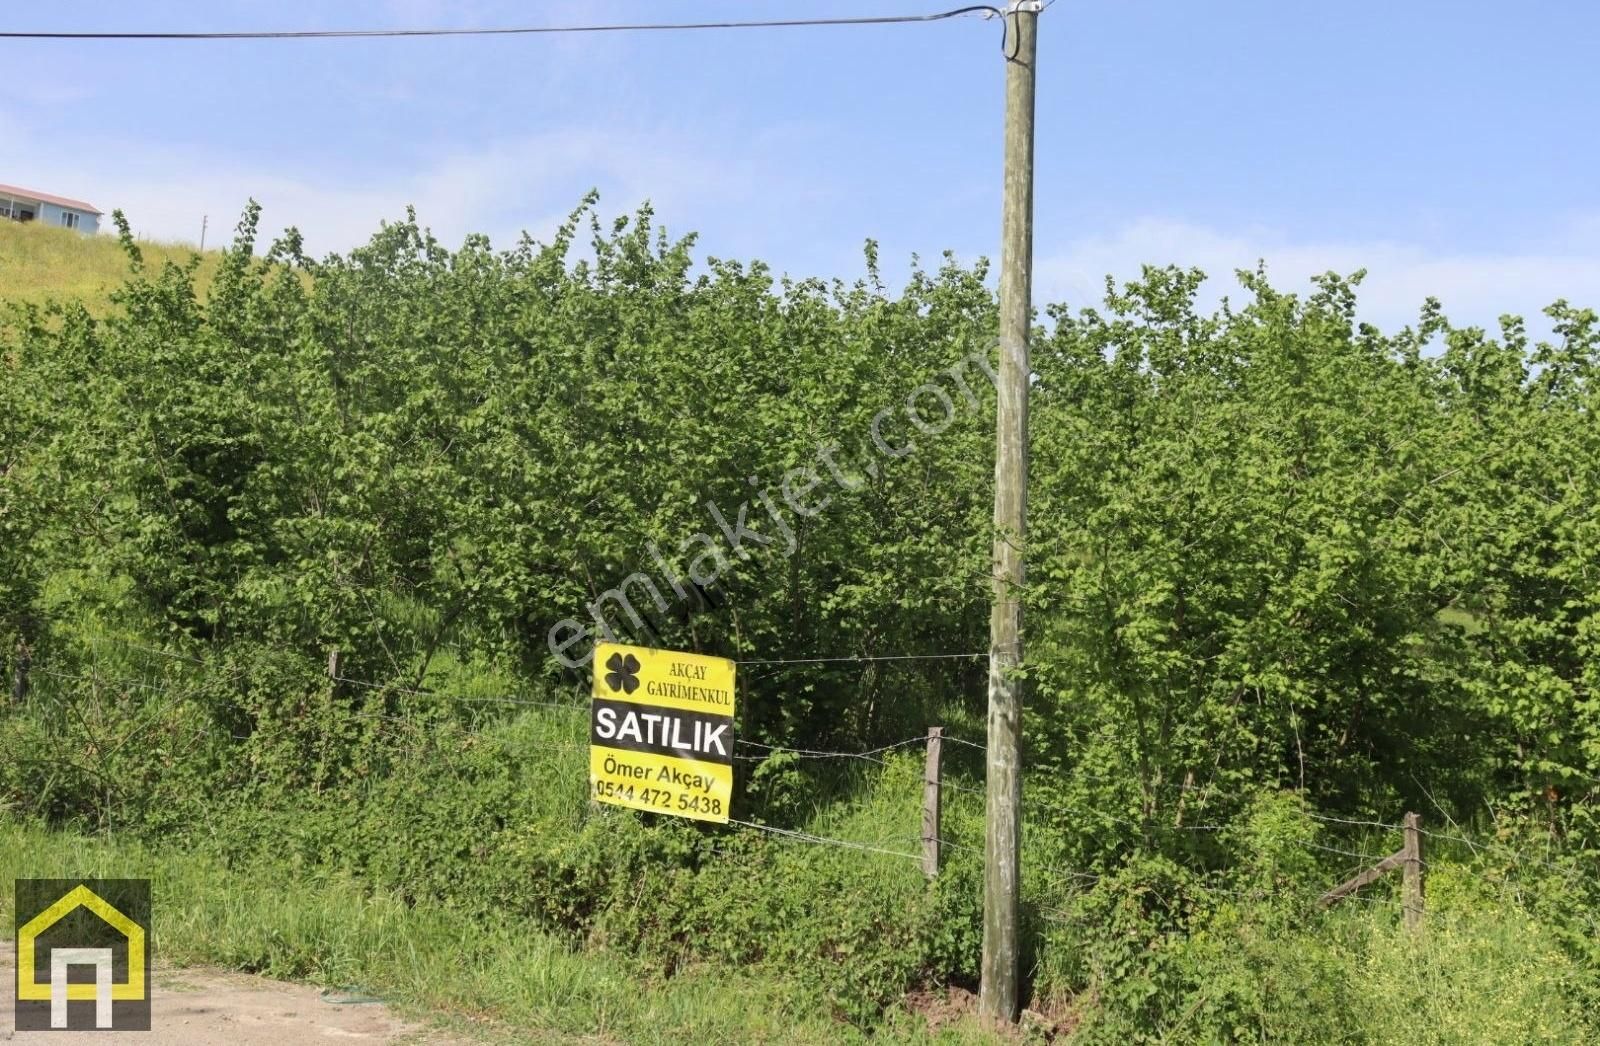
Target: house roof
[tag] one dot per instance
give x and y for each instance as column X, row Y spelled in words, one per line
column 44, row 197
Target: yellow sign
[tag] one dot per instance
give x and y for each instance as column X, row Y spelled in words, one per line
column 661, row 731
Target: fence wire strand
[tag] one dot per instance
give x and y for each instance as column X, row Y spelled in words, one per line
column 821, row 840
column 175, row 693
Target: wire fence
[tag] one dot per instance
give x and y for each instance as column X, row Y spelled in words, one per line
column 1513, row 861
column 578, row 709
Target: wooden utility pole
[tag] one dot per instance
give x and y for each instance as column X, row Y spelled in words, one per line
column 1003, row 837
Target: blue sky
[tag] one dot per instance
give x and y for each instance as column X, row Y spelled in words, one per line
column 1447, row 147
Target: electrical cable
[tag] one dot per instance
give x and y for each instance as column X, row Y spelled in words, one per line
column 326, row 34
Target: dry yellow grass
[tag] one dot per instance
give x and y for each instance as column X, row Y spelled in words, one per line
column 39, row 263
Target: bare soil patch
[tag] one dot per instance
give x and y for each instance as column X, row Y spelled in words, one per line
column 202, row 1006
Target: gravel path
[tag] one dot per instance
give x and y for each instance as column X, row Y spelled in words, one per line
column 201, row 1007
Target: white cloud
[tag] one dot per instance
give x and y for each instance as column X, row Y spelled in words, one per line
column 531, row 183
column 1475, row 287
column 500, row 187
column 752, row 201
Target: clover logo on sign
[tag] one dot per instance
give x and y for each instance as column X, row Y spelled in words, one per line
column 624, row 674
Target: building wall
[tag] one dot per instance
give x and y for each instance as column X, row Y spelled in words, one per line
column 50, row 214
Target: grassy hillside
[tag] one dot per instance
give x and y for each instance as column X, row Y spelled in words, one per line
column 38, row 263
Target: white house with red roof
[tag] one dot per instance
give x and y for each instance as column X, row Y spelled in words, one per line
column 28, row 205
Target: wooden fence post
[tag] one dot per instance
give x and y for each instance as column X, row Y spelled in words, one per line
column 1411, row 887
column 931, row 782
column 19, row 673
column 1408, row 859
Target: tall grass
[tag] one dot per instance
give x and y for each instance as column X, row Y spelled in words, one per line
column 458, row 869
column 40, row 263
column 426, row 959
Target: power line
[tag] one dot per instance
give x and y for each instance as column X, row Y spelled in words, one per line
column 331, row 34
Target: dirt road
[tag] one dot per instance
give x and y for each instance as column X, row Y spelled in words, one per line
column 204, row 1007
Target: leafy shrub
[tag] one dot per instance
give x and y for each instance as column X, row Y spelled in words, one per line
column 1273, row 550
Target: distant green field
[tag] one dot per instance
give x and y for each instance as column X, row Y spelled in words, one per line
column 39, row 263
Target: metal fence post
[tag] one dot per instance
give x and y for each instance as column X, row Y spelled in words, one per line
column 931, row 782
